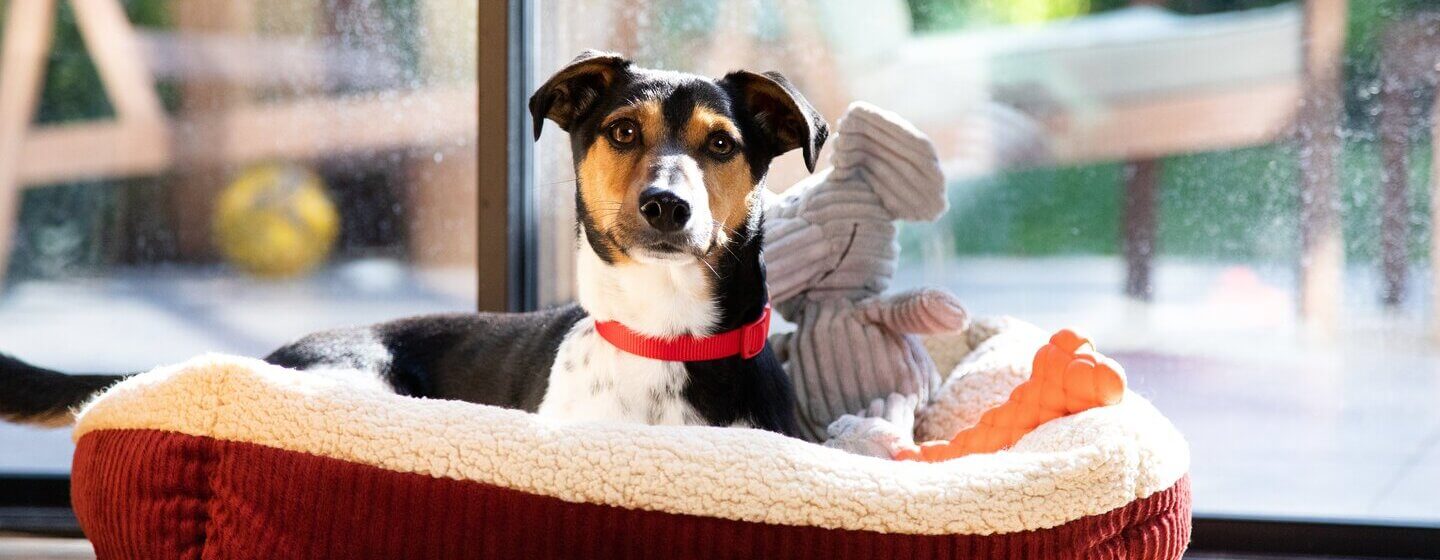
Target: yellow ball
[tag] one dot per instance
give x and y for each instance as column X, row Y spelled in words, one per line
column 276, row 221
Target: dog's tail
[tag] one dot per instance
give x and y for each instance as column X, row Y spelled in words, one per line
column 42, row 397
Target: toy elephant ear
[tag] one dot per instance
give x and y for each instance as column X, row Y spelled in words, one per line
column 903, row 166
column 570, row 94
column 785, row 119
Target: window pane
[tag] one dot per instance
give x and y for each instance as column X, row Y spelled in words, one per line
column 1251, row 240
column 228, row 176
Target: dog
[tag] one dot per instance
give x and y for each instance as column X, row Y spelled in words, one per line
column 672, row 314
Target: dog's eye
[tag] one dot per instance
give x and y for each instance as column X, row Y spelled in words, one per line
column 720, row 144
column 624, row 132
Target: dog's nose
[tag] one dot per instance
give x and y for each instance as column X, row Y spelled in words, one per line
column 663, row 210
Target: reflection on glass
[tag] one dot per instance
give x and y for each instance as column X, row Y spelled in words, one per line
column 1232, row 197
column 228, row 176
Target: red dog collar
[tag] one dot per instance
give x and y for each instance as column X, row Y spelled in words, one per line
column 746, row 341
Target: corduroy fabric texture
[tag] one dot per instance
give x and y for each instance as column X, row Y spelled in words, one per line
column 830, row 253
column 1074, row 467
column 158, row 494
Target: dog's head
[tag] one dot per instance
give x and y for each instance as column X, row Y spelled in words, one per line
column 668, row 164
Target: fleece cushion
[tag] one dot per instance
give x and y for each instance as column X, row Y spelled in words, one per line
column 231, row 457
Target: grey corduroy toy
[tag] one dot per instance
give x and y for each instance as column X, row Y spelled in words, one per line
column 830, row 253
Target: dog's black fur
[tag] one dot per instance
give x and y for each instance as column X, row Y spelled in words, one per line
column 505, row 359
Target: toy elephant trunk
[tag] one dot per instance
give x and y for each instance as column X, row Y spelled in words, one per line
column 844, row 354
column 837, row 359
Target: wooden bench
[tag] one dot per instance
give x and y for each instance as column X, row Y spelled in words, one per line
column 142, row 140
column 1131, row 85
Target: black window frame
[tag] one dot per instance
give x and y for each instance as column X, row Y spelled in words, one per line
column 37, row 504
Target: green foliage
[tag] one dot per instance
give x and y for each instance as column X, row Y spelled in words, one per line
column 1047, row 211
column 72, row 89
column 1368, row 19
column 1230, row 205
column 1217, row 6
column 1364, row 43
column 399, row 25
column 941, row 15
column 1233, row 205
column 60, row 230
column 63, row 229
column 1361, row 174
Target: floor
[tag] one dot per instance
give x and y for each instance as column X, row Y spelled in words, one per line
column 138, row 320
column 17, row 547
column 1282, row 421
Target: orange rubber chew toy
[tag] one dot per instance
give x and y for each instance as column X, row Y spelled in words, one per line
column 1068, row 377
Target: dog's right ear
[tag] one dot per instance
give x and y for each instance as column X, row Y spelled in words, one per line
column 780, row 110
column 571, row 92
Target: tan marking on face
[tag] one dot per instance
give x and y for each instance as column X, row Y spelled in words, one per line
column 728, row 183
column 611, row 179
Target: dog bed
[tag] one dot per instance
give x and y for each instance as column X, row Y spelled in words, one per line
column 226, row 457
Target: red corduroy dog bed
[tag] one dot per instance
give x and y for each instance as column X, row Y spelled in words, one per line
column 227, row 457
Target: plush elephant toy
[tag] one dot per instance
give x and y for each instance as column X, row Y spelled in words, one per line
column 831, row 251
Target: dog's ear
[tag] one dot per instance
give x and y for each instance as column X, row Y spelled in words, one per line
column 571, row 92
column 779, row 110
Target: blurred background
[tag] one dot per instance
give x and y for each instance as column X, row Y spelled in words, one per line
column 184, row 177
column 1233, row 197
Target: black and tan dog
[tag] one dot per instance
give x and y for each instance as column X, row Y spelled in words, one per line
column 672, row 314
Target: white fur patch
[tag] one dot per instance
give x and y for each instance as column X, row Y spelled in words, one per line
column 594, row 380
column 661, row 299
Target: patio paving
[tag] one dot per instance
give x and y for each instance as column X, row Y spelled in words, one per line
column 137, row 320
column 1282, row 421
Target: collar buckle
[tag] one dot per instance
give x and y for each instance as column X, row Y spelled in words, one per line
column 754, row 335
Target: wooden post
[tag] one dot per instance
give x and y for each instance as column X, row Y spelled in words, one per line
column 626, row 27
column 110, row 40
column 493, row 221
column 1394, row 173
column 1140, row 225
column 29, row 28
column 442, row 184
column 1322, row 250
column 201, row 133
column 1435, row 220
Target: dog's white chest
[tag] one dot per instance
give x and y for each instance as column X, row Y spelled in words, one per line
column 593, row 380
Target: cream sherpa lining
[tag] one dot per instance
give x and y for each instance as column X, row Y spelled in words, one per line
column 1079, row 466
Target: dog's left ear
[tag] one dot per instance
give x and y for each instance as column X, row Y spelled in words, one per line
column 779, row 109
column 570, row 94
